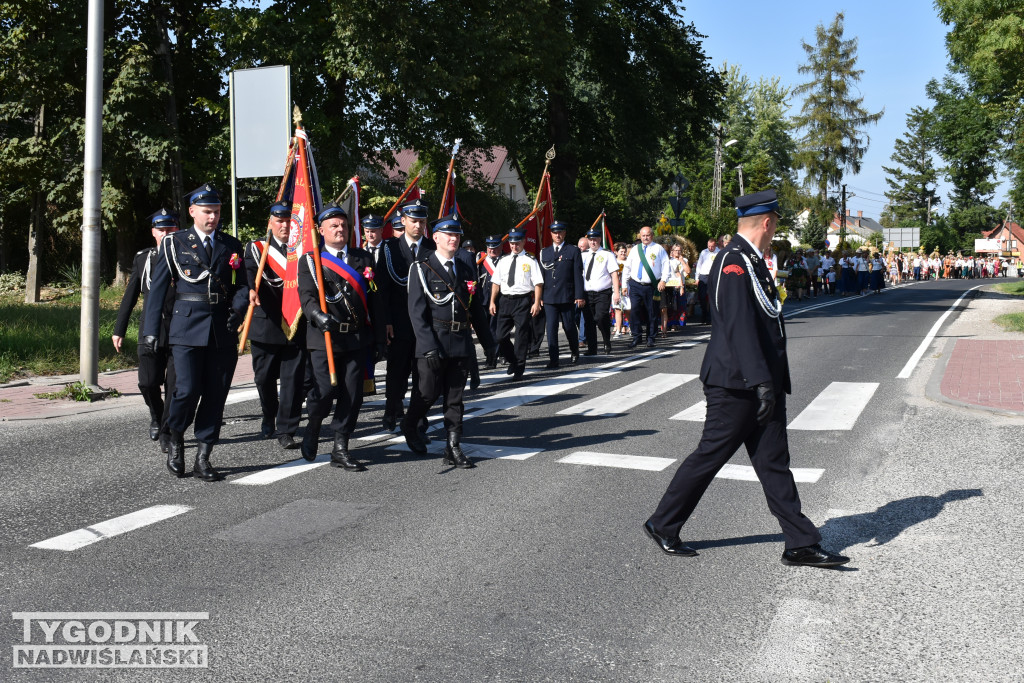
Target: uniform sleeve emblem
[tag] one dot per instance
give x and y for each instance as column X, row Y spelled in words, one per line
column 732, row 270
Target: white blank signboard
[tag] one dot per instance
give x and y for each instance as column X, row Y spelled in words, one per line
column 261, row 103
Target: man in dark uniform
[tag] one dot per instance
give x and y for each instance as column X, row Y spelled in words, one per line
column 351, row 318
column 518, row 281
column 485, row 271
column 373, row 231
column 399, row 254
column 442, row 307
column 601, row 287
column 211, row 296
column 562, row 267
column 156, row 369
column 746, row 378
column 274, row 356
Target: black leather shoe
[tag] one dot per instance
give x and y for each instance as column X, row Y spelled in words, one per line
column 607, row 349
column 669, row 546
column 650, row 343
column 574, row 358
column 551, row 365
column 203, row 469
column 511, row 368
column 311, row 441
column 340, row 456
column 813, row 556
column 388, row 423
column 474, row 382
column 453, row 454
column 176, row 455
column 267, row 429
column 287, row 442
column 413, row 439
column 154, row 430
column 520, row 371
column 633, row 343
column 165, row 442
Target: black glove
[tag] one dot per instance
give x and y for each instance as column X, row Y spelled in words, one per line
column 149, row 343
column 433, row 360
column 325, row 322
column 234, row 322
column 766, row 402
column 381, row 353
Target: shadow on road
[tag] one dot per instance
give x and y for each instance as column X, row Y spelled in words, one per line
column 888, row 521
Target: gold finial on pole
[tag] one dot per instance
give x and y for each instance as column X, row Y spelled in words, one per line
column 296, row 115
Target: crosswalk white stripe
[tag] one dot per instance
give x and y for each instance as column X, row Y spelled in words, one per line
column 288, row 469
column 73, row 540
column 474, row 450
column 837, row 407
column 633, row 462
column 622, row 400
column 746, row 473
column 695, row 413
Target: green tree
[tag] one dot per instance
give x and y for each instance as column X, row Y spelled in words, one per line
column 912, row 183
column 833, row 120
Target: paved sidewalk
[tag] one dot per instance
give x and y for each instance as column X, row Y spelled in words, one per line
column 18, row 400
column 985, row 363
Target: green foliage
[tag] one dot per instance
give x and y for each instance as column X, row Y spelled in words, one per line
column 833, row 120
column 1012, row 288
column 1011, row 322
column 913, row 181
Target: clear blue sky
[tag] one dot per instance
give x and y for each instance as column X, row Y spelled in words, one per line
column 901, row 46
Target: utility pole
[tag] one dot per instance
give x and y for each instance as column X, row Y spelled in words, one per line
column 739, row 169
column 716, row 192
column 928, row 219
column 842, row 218
column 91, row 225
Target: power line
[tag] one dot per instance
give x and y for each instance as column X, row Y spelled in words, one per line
column 860, row 189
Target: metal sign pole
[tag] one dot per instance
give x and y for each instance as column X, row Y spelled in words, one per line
column 234, row 184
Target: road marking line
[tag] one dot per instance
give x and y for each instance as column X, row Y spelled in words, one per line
column 746, row 473
column 621, row 401
column 837, row 407
column 496, row 452
column 73, row 540
column 632, row 462
column 241, row 396
column 914, row 359
column 843, row 300
column 279, row 472
column 695, row 413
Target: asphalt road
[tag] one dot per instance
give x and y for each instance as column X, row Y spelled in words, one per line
column 531, row 569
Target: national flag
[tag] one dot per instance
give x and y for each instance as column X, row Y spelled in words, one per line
column 351, row 206
column 411, row 193
column 303, row 189
column 449, row 204
column 545, row 212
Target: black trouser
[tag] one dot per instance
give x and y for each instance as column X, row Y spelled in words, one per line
column 514, row 311
column 401, row 354
column 702, row 298
column 349, row 366
column 731, row 422
column 450, row 379
column 596, row 316
column 156, row 381
column 539, row 325
column 285, row 362
column 202, row 380
column 566, row 314
column 641, row 303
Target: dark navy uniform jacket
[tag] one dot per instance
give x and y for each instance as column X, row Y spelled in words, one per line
column 563, row 274
column 393, row 278
column 266, row 323
column 138, row 283
column 183, row 263
column 433, row 307
column 484, row 280
column 344, row 303
column 748, row 342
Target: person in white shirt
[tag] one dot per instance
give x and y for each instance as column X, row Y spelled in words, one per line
column 645, row 272
column 520, row 283
column 601, row 288
column 703, row 269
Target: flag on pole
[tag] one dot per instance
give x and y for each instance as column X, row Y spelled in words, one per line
column 606, row 237
column 540, row 220
column 411, row 193
column 303, row 189
column 449, row 204
column 351, row 206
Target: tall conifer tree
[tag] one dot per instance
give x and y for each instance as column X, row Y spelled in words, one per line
column 913, row 180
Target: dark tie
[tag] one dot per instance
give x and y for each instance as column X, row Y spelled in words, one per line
column 209, row 249
column 512, row 271
column 412, row 248
column 451, row 270
column 590, row 266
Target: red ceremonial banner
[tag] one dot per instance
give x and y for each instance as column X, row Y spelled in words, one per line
column 302, row 236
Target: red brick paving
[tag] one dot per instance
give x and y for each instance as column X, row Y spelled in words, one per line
column 986, row 373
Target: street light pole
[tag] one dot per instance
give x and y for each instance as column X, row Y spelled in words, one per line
column 739, row 169
column 716, row 192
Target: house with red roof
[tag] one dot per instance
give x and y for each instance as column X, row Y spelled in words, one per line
column 492, row 168
column 1011, row 236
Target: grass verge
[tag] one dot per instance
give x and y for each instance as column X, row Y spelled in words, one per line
column 1014, row 288
column 1011, row 322
column 43, row 338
